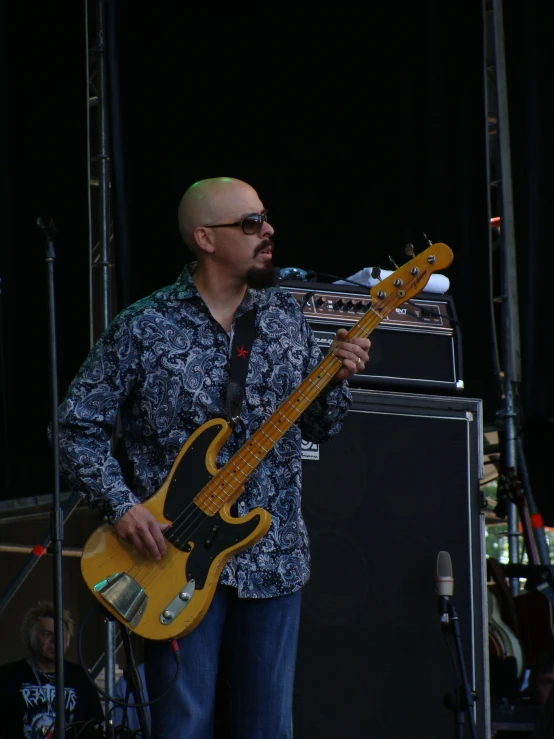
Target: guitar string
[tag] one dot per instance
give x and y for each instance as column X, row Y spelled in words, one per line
column 193, row 516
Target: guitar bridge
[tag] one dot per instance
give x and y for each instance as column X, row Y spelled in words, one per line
column 124, row 595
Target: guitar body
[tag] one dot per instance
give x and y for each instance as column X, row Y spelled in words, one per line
column 168, row 598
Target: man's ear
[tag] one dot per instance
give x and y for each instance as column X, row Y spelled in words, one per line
column 203, row 237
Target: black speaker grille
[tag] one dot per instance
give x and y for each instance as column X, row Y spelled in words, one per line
column 399, row 484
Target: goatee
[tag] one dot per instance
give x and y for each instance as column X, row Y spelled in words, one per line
column 266, row 276
column 260, row 277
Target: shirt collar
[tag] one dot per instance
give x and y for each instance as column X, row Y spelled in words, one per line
column 186, row 289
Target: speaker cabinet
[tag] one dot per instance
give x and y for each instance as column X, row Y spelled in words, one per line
column 399, row 484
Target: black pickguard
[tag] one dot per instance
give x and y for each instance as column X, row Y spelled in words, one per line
column 225, row 536
column 190, row 476
column 209, row 535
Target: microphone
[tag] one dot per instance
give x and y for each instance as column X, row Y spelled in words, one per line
column 444, row 584
column 48, row 228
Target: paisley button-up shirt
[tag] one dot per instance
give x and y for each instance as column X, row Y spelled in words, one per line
column 163, row 364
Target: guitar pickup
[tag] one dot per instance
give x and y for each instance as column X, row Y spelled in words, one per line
column 211, row 538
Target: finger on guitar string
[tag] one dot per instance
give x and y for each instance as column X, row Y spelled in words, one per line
column 354, row 354
column 191, row 515
column 144, row 572
column 139, row 527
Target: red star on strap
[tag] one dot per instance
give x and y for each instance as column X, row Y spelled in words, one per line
column 242, row 352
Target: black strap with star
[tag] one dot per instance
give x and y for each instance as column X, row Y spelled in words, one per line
column 240, row 354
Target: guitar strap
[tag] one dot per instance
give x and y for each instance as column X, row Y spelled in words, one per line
column 240, row 355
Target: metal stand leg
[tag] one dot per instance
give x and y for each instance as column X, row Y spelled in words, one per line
column 109, row 671
column 132, row 676
column 134, row 681
column 463, row 700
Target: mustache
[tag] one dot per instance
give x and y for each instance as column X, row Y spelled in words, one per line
column 265, row 244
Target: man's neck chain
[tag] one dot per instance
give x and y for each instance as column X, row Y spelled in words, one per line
column 41, row 675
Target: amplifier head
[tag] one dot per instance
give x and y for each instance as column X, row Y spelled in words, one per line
column 416, row 347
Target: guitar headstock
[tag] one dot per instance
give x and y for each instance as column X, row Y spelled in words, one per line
column 410, row 279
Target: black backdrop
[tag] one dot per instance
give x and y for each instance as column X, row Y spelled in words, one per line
column 359, row 132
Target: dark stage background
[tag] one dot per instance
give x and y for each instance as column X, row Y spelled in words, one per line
column 360, row 132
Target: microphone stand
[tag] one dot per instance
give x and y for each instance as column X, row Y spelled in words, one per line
column 57, row 514
column 461, row 700
column 134, row 684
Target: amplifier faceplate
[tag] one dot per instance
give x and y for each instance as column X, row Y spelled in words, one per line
column 417, row 346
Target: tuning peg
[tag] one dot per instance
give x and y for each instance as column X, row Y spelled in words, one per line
column 394, row 263
column 376, row 273
column 429, row 242
column 409, row 250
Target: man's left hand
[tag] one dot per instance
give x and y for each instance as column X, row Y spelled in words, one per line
column 354, row 354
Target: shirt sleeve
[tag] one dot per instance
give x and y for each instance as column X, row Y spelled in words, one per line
column 87, row 418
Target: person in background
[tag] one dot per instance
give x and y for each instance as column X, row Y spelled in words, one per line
column 28, row 690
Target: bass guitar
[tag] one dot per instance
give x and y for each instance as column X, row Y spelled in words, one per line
column 168, row 598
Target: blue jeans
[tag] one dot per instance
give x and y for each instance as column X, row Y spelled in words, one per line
column 258, row 638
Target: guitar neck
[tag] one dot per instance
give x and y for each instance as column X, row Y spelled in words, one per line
column 396, row 289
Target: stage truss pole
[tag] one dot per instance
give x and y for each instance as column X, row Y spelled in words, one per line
column 101, row 258
column 501, row 220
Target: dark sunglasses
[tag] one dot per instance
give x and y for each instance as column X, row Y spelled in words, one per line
column 251, row 224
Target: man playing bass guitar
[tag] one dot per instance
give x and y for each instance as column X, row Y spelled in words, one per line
column 163, row 365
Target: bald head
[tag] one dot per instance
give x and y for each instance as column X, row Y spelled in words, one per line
column 215, row 200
